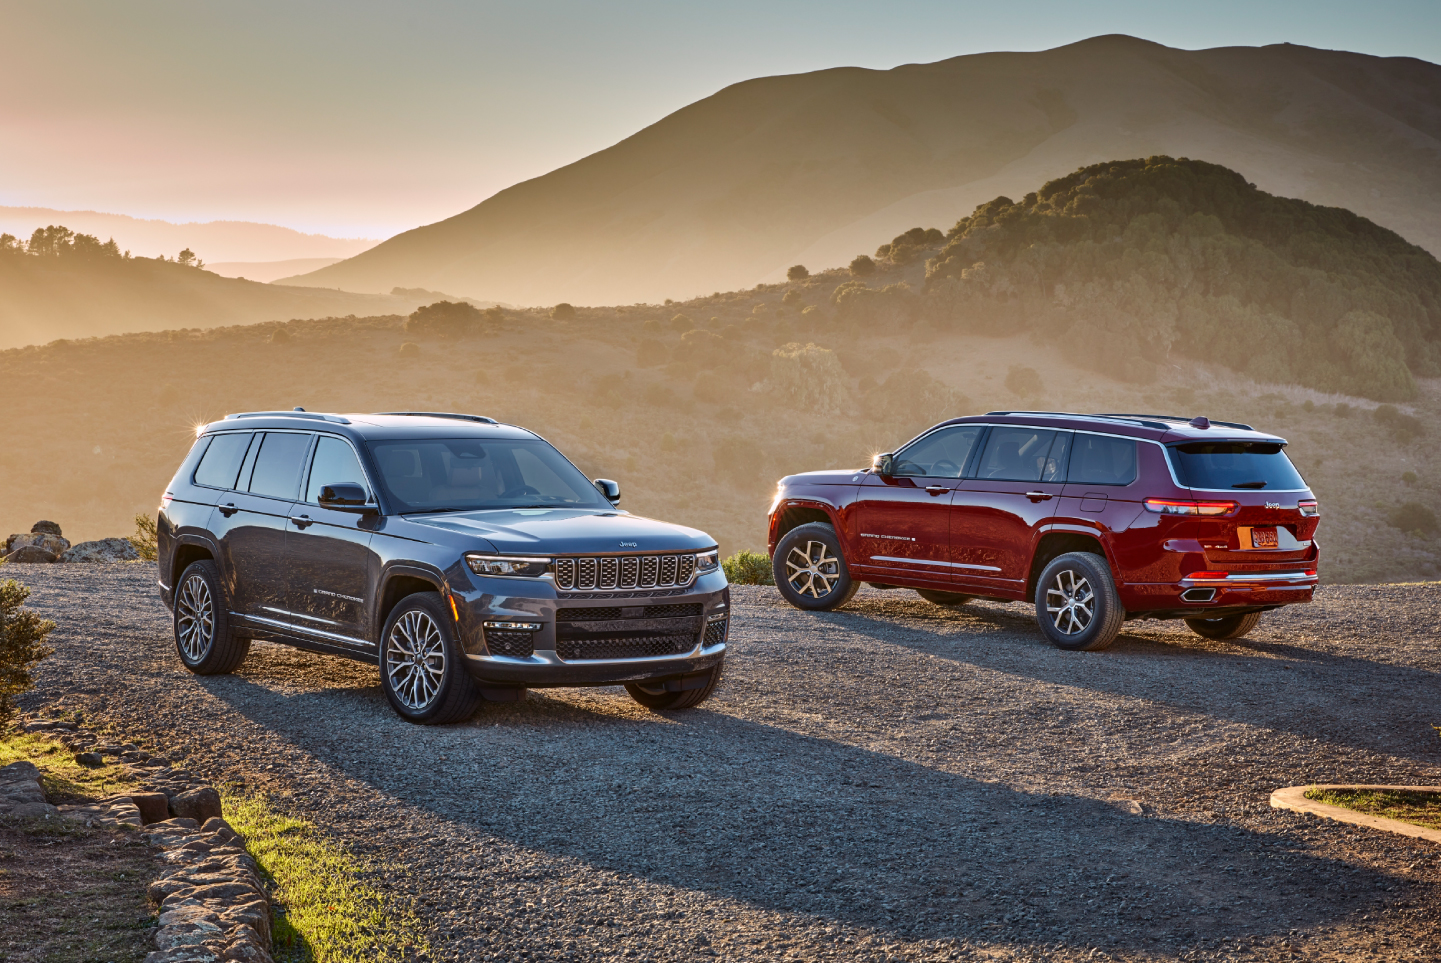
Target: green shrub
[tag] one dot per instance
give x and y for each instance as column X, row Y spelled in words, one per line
column 681, row 323
column 797, row 272
column 749, row 568
column 792, row 297
column 1025, row 382
column 1409, row 479
column 22, row 646
column 862, row 266
column 1343, row 410
column 809, row 377
column 409, row 350
column 562, row 312
column 445, row 320
column 1403, row 427
column 143, row 541
column 1413, row 517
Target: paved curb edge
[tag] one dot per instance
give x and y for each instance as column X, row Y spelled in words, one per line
column 1294, row 798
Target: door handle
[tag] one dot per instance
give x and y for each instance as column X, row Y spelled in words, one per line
column 305, row 521
column 1039, row 496
column 934, row 490
column 228, row 509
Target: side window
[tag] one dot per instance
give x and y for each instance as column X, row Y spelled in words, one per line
column 1055, row 470
column 1099, row 460
column 221, row 461
column 1018, row 454
column 279, row 463
column 941, row 454
column 334, row 463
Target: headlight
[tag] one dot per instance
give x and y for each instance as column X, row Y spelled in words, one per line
column 707, row 561
column 510, row 565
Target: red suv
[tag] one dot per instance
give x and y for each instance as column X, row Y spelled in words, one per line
column 1097, row 519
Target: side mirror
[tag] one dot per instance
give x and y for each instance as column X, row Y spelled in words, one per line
column 345, row 497
column 610, row 489
column 884, row 464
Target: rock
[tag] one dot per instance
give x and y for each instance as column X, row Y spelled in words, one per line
column 197, row 804
column 49, row 528
column 153, row 806
column 220, row 828
column 53, row 544
column 102, row 550
column 91, row 759
column 30, row 554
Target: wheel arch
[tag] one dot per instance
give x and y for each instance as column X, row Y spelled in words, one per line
column 399, row 583
column 188, row 551
column 1058, row 542
column 794, row 514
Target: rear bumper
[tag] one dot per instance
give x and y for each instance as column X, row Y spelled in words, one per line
column 1200, row 597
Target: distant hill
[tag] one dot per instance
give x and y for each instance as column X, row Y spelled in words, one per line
column 811, row 168
column 267, row 271
column 215, row 241
column 91, row 291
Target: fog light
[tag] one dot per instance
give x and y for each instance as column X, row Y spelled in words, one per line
column 514, row 626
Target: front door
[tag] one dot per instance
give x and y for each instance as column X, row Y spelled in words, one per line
column 903, row 520
column 332, row 567
column 996, row 516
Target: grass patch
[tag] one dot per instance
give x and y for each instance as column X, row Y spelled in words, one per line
column 331, row 915
column 63, row 779
column 1416, row 808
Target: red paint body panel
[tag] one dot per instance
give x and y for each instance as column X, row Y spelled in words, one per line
column 983, row 536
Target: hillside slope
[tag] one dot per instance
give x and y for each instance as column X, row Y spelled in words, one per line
column 811, row 168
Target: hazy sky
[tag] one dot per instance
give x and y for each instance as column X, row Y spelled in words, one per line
column 363, row 119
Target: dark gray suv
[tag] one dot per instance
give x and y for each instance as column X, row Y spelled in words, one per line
column 469, row 560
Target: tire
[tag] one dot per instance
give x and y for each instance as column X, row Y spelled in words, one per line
column 422, row 669
column 654, row 696
column 817, row 577
column 1076, row 602
column 1226, row 627
column 944, row 598
column 204, row 640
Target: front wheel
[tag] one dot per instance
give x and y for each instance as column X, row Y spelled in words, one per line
column 203, row 637
column 1226, row 627
column 811, row 570
column 654, row 695
column 421, row 668
column 1076, row 602
column 944, row 598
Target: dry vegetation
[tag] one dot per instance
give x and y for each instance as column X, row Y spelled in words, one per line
column 686, row 404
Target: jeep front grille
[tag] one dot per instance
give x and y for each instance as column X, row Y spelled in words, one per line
column 612, row 613
column 611, row 572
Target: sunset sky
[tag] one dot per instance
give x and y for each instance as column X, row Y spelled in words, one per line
column 363, row 119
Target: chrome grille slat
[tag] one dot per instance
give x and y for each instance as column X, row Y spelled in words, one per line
column 608, row 573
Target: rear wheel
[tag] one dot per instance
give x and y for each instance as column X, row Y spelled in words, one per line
column 944, row 598
column 810, row 568
column 421, row 667
column 654, row 695
column 203, row 636
column 1076, row 602
column 1226, row 627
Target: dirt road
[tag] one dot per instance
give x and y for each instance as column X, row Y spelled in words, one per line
column 893, row 781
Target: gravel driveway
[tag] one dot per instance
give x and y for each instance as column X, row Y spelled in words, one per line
column 893, row 781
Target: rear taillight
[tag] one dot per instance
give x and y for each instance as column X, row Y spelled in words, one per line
column 1207, row 575
column 165, row 501
column 1308, row 507
column 1172, row 506
column 1310, row 573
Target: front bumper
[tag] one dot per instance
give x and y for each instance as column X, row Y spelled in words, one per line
column 537, row 602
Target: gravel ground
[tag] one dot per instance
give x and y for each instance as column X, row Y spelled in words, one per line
column 893, row 781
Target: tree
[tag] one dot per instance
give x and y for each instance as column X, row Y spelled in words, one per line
column 50, row 241
column 562, row 312
column 22, row 646
column 186, row 257
column 862, row 266
column 797, row 272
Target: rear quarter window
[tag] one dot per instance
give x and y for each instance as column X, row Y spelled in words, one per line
column 221, row 461
column 1099, row 460
column 1235, row 466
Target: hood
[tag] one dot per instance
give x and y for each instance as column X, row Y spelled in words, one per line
column 566, row 531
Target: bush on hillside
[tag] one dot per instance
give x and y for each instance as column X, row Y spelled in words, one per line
column 144, row 539
column 862, row 266
column 908, row 247
column 1413, row 517
column 445, row 320
column 22, row 646
column 875, row 308
column 792, row 297
column 562, row 312
column 809, row 377
column 681, row 323
column 1025, row 382
column 650, row 353
column 1403, row 427
column 749, row 568
column 1184, row 257
column 797, row 272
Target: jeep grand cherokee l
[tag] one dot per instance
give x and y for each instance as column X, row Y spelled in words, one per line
column 1095, row 519
column 467, row 559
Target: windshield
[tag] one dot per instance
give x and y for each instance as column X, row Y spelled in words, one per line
column 1235, row 465
column 463, row 474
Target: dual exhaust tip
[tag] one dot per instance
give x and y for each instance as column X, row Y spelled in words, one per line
column 1198, row 595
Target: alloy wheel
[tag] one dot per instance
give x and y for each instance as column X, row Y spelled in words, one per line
column 195, row 619
column 415, row 659
column 812, row 570
column 1071, row 602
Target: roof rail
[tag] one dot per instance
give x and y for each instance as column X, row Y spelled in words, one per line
column 1183, row 420
column 482, row 419
column 1129, row 419
column 309, row 415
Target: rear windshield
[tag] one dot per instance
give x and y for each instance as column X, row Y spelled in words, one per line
column 1239, row 465
column 463, row 474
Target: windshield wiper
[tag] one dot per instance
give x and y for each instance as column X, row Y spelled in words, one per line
column 1255, row 484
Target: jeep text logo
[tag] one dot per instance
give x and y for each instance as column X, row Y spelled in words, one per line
column 1273, row 504
column 628, row 544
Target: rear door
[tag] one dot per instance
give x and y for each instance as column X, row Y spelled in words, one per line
column 252, row 521
column 332, row 567
column 997, row 514
column 903, row 527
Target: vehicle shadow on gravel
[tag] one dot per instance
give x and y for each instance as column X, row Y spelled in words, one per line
column 1276, row 685
column 791, row 823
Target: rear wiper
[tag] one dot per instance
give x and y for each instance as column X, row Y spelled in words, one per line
column 1255, row 484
